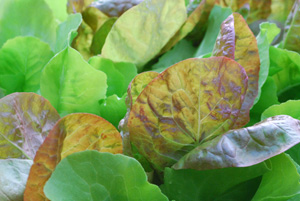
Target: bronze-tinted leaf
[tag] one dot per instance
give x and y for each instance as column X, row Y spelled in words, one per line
column 236, row 41
column 235, row 5
column 94, row 17
column 246, row 146
column 196, row 21
column 25, row 121
column 73, row 133
column 191, row 102
column 259, row 9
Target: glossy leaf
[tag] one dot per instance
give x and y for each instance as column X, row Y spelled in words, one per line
column 71, row 84
column 192, row 101
column 207, row 185
column 21, row 65
column 25, row 121
column 119, row 74
column 134, row 39
column 66, row 31
column 91, row 175
column 236, row 41
column 195, row 23
column 73, row 133
column 13, row 177
column 281, row 183
column 246, row 146
column 259, row 10
column 292, row 28
column 288, row 62
column 26, row 18
column 216, row 17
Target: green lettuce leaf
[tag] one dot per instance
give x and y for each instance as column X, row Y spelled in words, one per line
column 91, row 175
column 246, row 146
column 72, row 85
column 135, row 38
column 21, row 65
column 13, row 178
column 259, row 10
column 59, row 9
column 207, row 185
column 280, row 10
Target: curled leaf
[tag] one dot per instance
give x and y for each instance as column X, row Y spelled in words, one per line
column 237, row 42
column 246, row 146
column 191, row 102
column 73, row 133
column 25, row 121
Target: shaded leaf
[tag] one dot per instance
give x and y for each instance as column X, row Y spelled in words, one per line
column 292, row 29
column 194, row 185
column 195, row 23
column 94, row 17
column 73, row 133
column 283, row 172
column 91, row 175
column 193, row 101
column 100, row 36
column 236, row 41
column 13, row 177
column 26, row 18
column 280, row 10
column 25, row 121
column 235, row 5
column 21, row 65
column 133, row 38
column 71, row 84
column 246, row 146
column 77, row 6
column 216, row 17
column 259, row 10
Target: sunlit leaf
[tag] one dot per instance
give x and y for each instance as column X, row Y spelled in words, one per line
column 21, row 65
column 91, row 175
column 192, row 101
column 133, row 38
column 71, row 84
column 236, row 41
column 25, row 121
column 59, row 9
column 73, row 133
column 246, row 146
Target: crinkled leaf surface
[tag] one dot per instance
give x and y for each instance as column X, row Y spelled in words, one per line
column 281, row 183
column 207, row 185
column 91, row 175
column 292, row 28
column 21, row 64
column 71, row 84
column 216, row 17
column 192, row 101
column 236, row 41
column 288, row 61
column 259, row 10
column 135, row 38
column 195, row 22
column 26, row 18
column 246, row 146
column 25, row 121
column 13, row 177
column 119, row 74
column 66, row 31
column 73, row 133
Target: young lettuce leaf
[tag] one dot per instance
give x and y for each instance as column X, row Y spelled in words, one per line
column 91, row 175
column 135, row 38
column 236, row 41
column 25, row 121
column 73, row 133
column 191, row 102
column 21, row 65
column 72, row 85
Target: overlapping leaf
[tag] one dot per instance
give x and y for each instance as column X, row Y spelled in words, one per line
column 280, row 10
column 259, row 10
column 72, row 85
column 91, row 175
column 25, row 121
column 73, row 133
column 235, row 5
column 21, row 65
column 135, row 38
column 191, row 102
column 246, row 146
column 236, row 41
